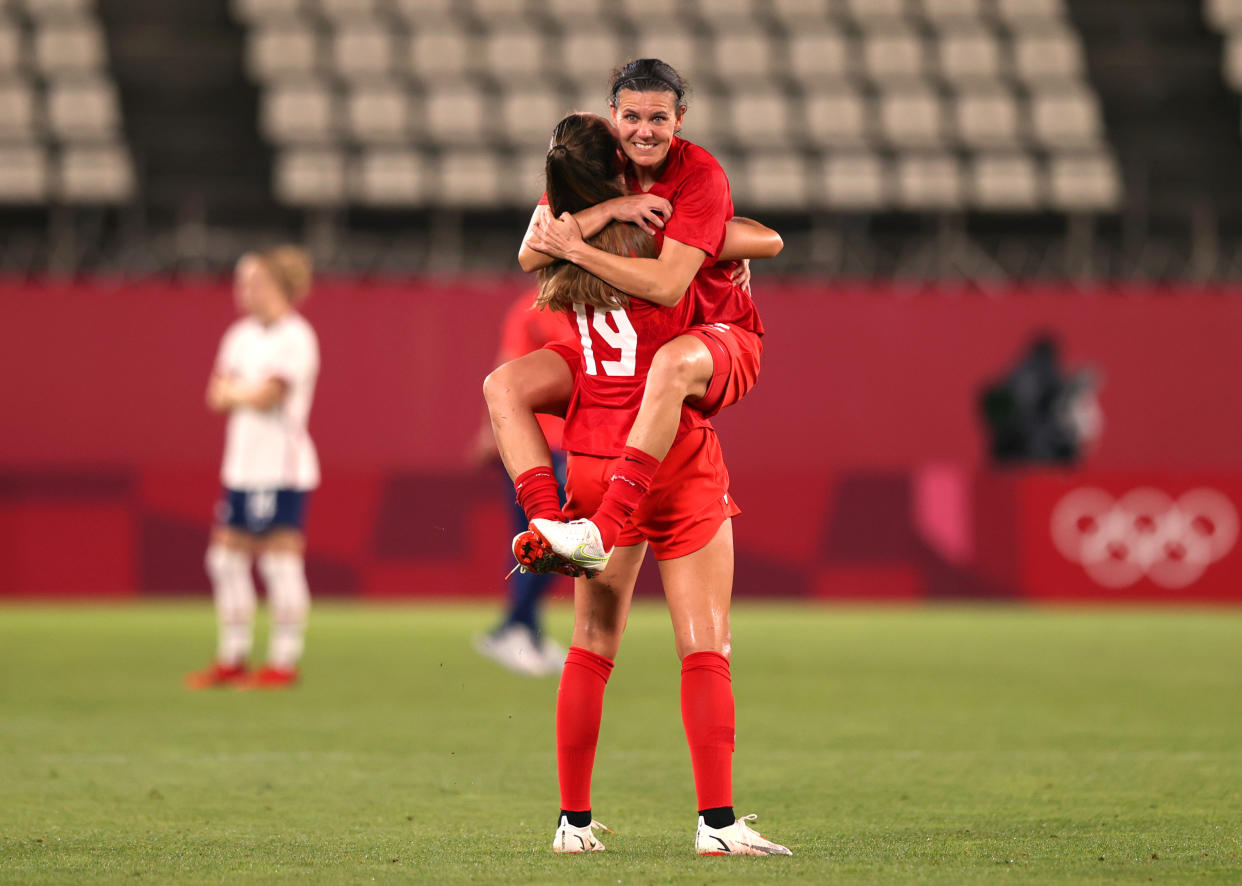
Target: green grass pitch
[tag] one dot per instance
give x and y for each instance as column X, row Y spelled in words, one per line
column 938, row 745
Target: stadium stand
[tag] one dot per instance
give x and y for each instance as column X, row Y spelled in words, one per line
column 61, row 139
column 923, row 89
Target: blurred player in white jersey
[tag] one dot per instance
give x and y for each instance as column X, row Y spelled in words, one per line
column 264, row 378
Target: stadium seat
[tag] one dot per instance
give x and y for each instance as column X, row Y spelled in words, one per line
column 344, row 12
column 96, row 174
column 515, row 52
column 760, row 118
column 83, row 110
column 18, row 114
column 928, row 182
column 743, row 58
column 771, row 181
column 912, row 118
column 457, row 114
column 524, row 179
column 310, row 177
column 987, row 118
column 856, row 181
column 23, row 174
column 1004, row 182
column 1233, row 61
column 876, row 13
column 592, row 53
column 259, row 11
column 1048, row 56
column 708, row 119
column 298, row 112
column 441, row 51
column 45, row 10
column 1224, row 15
column 379, row 113
column 969, row 55
column 470, row 178
column 724, row 14
column 796, row 14
column 12, row 50
column 1066, row 119
column 424, row 13
column 893, row 57
column 502, row 12
column 1020, row 14
column 1083, row 182
column 647, row 13
column 528, row 114
column 282, row 50
column 388, row 177
column 73, row 48
column 839, row 117
column 593, row 97
column 819, row 53
column 677, row 45
column 948, row 14
column 363, row 50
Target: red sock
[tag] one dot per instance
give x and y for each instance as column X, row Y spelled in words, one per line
column 539, row 494
column 579, row 707
column 707, row 714
column 631, row 478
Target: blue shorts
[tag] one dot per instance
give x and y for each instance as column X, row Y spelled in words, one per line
column 260, row 510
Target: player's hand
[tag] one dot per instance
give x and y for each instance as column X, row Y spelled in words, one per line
column 556, row 237
column 645, row 210
column 741, row 275
column 219, row 393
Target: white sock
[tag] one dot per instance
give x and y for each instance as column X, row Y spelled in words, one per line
column 284, row 574
column 233, row 589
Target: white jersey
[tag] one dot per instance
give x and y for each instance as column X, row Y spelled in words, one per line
column 271, row 448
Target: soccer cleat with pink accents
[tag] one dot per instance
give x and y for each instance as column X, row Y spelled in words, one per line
column 738, row 838
column 577, row 543
column 570, row 840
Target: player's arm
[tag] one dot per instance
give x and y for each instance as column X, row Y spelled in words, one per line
column 225, row 394
column 662, row 280
column 645, row 210
column 747, row 238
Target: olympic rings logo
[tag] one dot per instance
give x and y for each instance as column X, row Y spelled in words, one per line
column 1144, row 533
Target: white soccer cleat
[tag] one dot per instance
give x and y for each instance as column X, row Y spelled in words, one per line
column 553, row 655
column 514, row 649
column 738, row 838
column 570, row 840
column 577, row 542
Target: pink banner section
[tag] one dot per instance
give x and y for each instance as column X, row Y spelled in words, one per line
column 859, row 460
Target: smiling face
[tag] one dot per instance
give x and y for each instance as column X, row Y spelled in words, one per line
column 646, row 123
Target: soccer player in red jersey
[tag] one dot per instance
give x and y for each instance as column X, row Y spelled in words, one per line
column 685, row 518
column 717, row 361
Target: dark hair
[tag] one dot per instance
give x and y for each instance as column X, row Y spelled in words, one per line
column 582, row 171
column 648, row 75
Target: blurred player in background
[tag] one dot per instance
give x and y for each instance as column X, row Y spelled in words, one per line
column 264, row 378
column 686, row 517
column 518, row 642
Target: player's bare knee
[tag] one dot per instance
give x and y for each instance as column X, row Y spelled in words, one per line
column 675, row 369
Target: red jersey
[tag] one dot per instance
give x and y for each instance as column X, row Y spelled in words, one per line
column 525, row 329
column 698, row 188
column 616, row 350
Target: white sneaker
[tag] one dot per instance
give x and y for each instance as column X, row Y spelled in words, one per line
column 514, row 649
column 570, row 840
column 577, row 542
column 738, row 838
column 553, row 656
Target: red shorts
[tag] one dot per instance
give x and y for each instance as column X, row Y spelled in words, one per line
column 688, row 500
column 736, row 355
